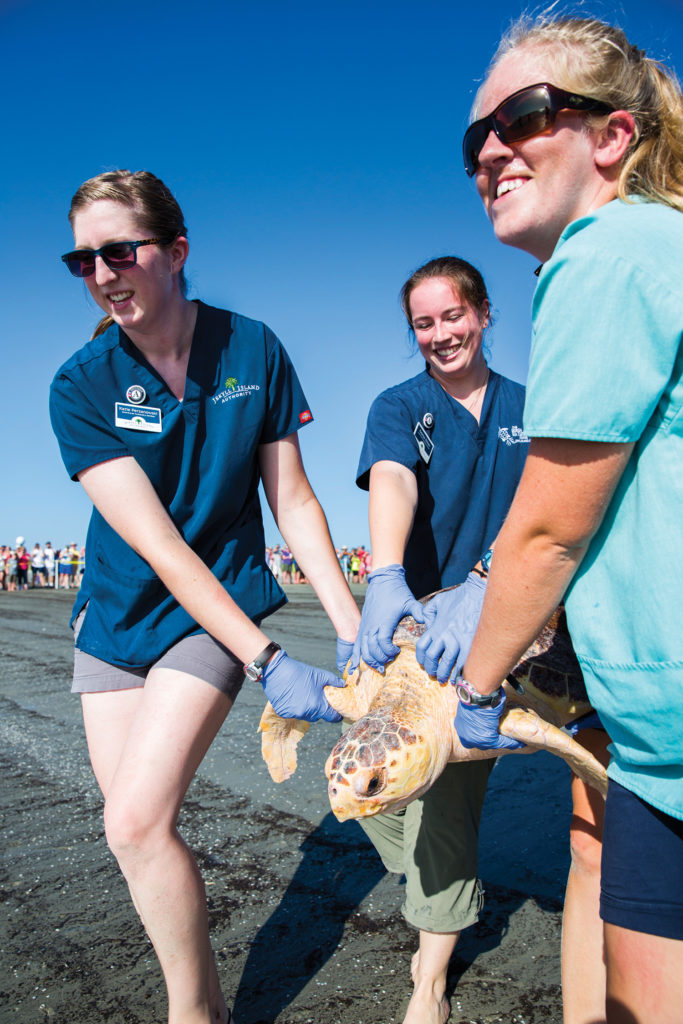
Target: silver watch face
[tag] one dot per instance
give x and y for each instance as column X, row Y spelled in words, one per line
column 464, row 693
column 468, row 695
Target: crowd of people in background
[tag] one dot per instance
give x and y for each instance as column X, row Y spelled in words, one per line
column 22, row 568
column 41, row 566
column 356, row 564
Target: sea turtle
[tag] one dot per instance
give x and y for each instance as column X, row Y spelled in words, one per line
column 403, row 734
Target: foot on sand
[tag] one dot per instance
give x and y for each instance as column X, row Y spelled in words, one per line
column 428, row 1004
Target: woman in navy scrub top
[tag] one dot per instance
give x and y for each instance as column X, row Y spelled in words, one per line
column 169, row 418
column 442, row 456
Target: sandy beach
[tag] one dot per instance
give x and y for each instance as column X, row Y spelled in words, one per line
column 305, row 921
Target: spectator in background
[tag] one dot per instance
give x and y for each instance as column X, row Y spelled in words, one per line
column 11, row 569
column 287, row 562
column 23, row 562
column 75, row 559
column 49, row 557
column 361, row 564
column 276, row 562
column 64, row 567
column 37, row 566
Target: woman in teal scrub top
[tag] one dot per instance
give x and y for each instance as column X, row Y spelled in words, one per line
column 169, row 418
column 576, row 149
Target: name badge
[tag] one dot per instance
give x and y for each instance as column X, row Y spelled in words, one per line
column 137, row 417
column 425, row 445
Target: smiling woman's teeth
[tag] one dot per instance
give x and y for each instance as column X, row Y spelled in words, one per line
column 509, row 186
column 120, row 296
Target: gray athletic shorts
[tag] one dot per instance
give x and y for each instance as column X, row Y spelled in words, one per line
column 198, row 655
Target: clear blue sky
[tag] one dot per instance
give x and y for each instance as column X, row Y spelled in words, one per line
column 315, row 150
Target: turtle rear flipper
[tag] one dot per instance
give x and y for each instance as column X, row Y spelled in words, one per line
column 530, row 728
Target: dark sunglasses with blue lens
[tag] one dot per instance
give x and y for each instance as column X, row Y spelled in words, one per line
column 526, row 113
column 117, row 256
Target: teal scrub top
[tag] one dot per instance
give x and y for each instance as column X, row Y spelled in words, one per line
column 606, row 366
column 201, row 456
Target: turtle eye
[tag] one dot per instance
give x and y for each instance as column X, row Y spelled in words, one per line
column 371, row 782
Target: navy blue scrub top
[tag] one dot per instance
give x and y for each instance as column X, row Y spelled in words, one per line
column 465, row 490
column 241, row 391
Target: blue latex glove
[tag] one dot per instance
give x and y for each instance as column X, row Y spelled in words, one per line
column 387, row 600
column 296, row 690
column 344, row 652
column 478, row 727
column 452, row 620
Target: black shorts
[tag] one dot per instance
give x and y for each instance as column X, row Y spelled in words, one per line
column 642, row 866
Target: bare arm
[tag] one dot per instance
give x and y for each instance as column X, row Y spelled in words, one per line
column 391, row 511
column 561, row 500
column 303, row 525
column 123, row 494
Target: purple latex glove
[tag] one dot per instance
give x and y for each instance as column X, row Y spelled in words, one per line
column 344, row 652
column 478, row 727
column 296, row 690
column 452, row 619
column 387, row 600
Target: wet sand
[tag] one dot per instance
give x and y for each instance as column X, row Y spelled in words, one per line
column 304, row 919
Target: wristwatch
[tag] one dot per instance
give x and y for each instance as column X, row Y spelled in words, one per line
column 468, row 695
column 254, row 670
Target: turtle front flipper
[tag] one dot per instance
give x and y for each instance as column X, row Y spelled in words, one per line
column 281, row 736
column 530, row 728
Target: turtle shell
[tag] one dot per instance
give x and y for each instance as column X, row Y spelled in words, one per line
column 549, row 672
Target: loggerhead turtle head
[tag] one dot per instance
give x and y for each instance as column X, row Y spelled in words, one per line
column 379, row 765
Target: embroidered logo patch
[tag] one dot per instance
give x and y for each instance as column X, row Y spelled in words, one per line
column 231, row 389
column 305, row 416
column 513, row 435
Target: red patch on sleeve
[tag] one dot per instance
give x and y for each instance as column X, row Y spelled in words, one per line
column 305, row 416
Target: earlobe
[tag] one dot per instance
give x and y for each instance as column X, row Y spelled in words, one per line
column 614, row 139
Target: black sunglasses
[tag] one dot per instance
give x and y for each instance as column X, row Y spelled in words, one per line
column 527, row 112
column 117, row 256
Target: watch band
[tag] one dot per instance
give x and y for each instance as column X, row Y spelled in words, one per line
column 484, row 564
column 469, row 695
column 254, row 670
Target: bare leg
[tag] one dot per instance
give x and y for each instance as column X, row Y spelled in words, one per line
column 145, row 747
column 644, row 977
column 429, row 969
column 583, row 961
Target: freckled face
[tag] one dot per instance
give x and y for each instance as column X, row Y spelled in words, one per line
column 136, row 298
column 533, row 189
column 448, row 331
